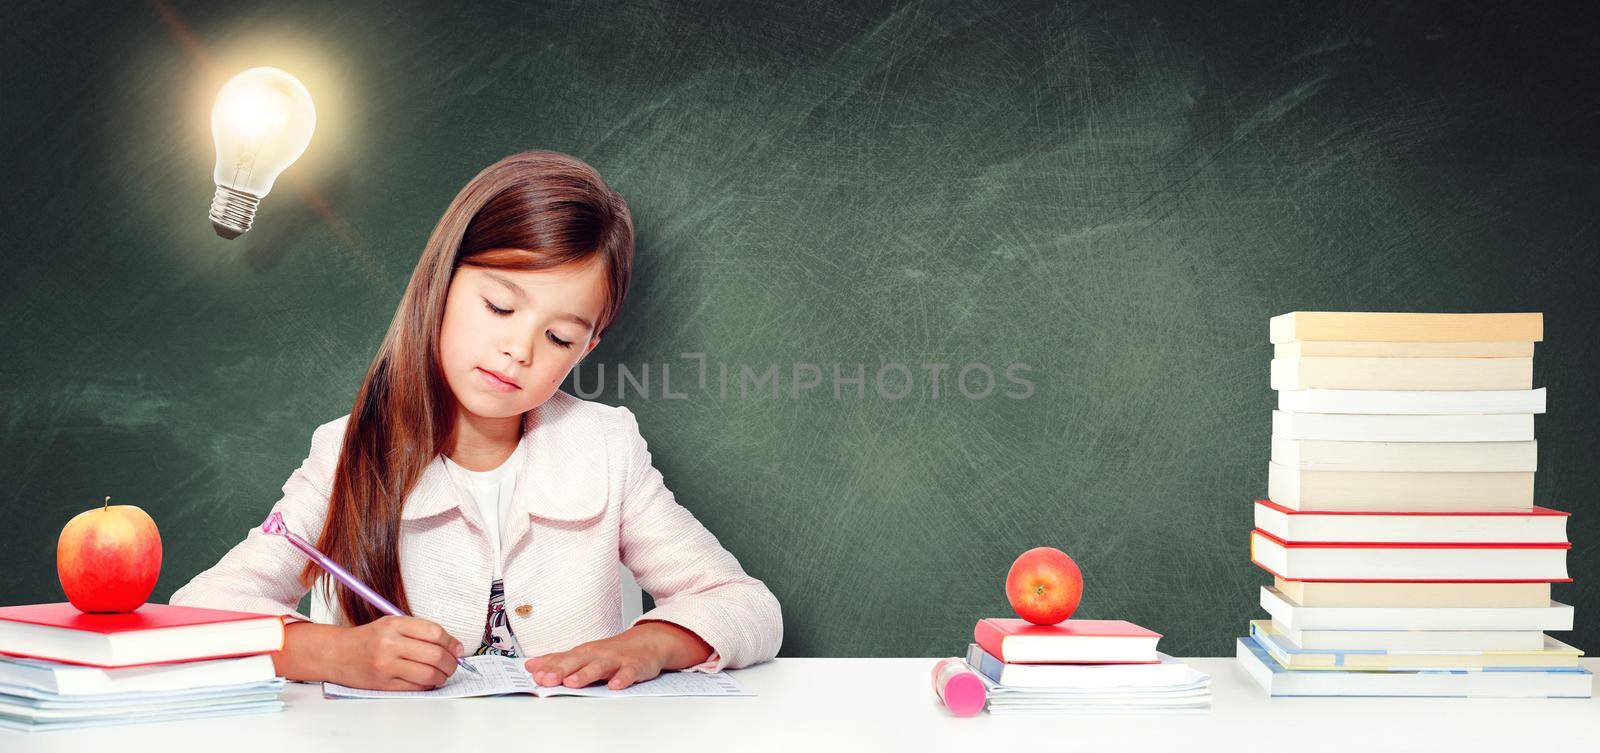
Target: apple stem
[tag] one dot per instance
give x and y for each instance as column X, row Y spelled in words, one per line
column 107, row 504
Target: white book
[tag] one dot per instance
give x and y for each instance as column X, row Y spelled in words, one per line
column 1416, row 402
column 1402, row 373
column 1556, row 616
column 1347, row 594
column 1106, row 700
column 24, row 724
column 1415, row 640
column 1192, row 707
column 1552, row 653
column 29, row 710
column 1167, row 672
column 1360, row 561
column 1356, row 427
column 1352, row 491
column 57, row 700
column 1403, row 457
column 1191, row 682
column 76, row 680
column 1538, row 526
column 1277, row 681
column 1191, row 692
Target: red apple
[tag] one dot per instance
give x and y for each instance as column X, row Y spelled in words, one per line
column 108, row 558
column 1044, row 586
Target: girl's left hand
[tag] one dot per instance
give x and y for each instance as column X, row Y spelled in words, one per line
column 634, row 655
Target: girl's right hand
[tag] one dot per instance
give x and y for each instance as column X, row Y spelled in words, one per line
column 394, row 653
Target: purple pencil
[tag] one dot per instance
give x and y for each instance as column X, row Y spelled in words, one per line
column 274, row 526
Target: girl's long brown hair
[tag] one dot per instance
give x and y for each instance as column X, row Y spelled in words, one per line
column 529, row 211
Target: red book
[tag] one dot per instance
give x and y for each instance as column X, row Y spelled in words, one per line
column 152, row 634
column 1016, row 641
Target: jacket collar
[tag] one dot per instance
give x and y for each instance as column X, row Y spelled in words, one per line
column 563, row 474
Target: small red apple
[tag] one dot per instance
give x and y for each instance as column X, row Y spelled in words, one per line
column 1044, row 586
column 108, row 558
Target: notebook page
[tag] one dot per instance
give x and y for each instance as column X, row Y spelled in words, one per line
column 497, row 675
column 666, row 684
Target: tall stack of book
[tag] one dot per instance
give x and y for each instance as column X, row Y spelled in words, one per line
column 61, row 668
column 1082, row 667
column 1407, row 555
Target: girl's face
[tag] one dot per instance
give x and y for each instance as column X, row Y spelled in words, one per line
column 510, row 337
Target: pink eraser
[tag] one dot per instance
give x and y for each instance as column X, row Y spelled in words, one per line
column 959, row 687
column 965, row 695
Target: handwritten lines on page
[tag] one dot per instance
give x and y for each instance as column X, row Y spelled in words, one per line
column 500, row 675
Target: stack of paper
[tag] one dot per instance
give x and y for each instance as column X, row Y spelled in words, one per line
column 1081, row 667
column 61, row 668
column 40, row 695
column 1167, row 687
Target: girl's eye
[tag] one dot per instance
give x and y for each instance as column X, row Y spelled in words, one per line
column 497, row 311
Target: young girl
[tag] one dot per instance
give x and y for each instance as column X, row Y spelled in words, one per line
column 484, row 502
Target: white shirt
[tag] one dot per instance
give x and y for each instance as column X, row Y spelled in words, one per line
column 492, row 490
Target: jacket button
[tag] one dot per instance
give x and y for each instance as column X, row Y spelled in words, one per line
column 523, row 610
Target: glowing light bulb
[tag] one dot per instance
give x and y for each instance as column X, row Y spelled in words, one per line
column 262, row 123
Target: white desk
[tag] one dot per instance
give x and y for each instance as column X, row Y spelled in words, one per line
column 853, row 704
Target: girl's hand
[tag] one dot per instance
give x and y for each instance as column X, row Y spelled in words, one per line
column 634, row 655
column 393, row 653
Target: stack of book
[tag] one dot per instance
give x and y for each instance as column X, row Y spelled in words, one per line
column 1082, row 667
column 1400, row 529
column 61, row 668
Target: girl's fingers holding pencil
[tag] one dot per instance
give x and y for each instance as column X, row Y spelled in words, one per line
column 424, row 630
column 421, row 673
column 393, row 653
column 430, row 655
column 400, row 683
column 428, row 643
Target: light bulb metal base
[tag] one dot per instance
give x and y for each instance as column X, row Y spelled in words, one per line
column 232, row 212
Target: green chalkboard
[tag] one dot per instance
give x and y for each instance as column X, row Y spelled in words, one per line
column 1087, row 210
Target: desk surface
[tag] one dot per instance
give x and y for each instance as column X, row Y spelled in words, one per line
column 853, row 704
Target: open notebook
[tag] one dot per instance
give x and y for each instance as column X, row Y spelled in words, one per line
column 500, row 675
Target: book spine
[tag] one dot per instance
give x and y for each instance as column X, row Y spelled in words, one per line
column 981, row 661
column 990, row 639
